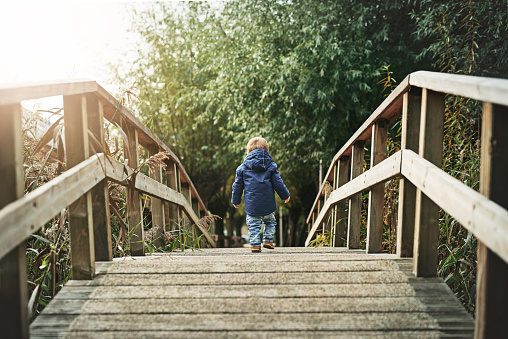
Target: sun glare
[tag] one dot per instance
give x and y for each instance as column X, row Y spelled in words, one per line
column 46, row 41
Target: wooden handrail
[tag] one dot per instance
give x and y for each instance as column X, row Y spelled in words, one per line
column 479, row 88
column 425, row 188
column 82, row 188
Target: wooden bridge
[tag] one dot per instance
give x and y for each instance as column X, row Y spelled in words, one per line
column 294, row 292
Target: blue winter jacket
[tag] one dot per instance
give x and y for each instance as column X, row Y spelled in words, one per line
column 258, row 177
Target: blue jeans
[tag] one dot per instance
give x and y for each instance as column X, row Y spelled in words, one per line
column 254, row 226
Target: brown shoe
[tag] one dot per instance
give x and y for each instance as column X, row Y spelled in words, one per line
column 255, row 249
column 269, row 245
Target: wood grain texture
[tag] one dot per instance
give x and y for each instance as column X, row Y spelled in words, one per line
column 156, row 203
column 410, row 137
column 492, row 294
column 479, row 88
column 13, row 94
column 134, row 203
column 384, row 171
column 375, row 214
column 13, row 273
column 100, row 194
column 80, row 211
column 355, row 202
column 427, row 212
column 346, row 293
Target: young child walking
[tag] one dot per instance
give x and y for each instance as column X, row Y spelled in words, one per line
column 258, row 177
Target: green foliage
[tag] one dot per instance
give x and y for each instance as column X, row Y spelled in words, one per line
column 302, row 74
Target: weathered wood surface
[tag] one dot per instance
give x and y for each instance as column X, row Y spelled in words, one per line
column 288, row 293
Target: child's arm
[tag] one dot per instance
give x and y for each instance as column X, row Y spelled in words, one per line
column 236, row 199
column 279, row 187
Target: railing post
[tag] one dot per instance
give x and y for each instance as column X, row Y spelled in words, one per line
column 13, row 277
column 492, row 278
column 172, row 182
column 80, row 212
column 333, row 226
column 341, row 213
column 377, row 193
column 157, row 204
column 411, row 108
column 187, row 195
column 355, row 203
column 100, row 194
column 134, row 203
column 427, row 212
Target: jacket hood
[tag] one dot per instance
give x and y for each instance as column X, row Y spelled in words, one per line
column 258, row 160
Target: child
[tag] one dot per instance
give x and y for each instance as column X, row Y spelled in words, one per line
column 258, row 177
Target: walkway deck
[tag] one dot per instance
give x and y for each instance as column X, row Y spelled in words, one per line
column 284, row 293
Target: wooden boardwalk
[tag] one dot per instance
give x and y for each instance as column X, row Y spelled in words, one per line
column 284, row 293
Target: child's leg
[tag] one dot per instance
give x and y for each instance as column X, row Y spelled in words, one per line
column 270, row 224
column 254, row 227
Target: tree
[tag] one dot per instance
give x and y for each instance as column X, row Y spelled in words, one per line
column 302, row 74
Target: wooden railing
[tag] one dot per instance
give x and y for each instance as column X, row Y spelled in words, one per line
column 82, row 188
column 424, row 187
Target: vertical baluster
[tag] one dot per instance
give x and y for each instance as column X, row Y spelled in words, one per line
column 333, row 226
column 341, row 215
column 13, row 276
column 157, row 204
column 377, row 192
column 171, row 181
column 134, row 203
column 100, row 194
column 80, row 212
column 355, row 203
column 187, row 195
column 412, row 105
column 427, row 212
column 492, row 290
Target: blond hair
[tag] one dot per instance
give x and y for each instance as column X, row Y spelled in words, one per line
column 257, row 143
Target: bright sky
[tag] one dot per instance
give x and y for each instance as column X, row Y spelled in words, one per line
column 61, row 40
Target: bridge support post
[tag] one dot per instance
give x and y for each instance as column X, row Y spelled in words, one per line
column 172, row 182
column 14, row 318
column 340, row 211
column 80, row 212
column 100, row 194
column 411, row 108
column 377, row 193
column 157, row 204
column 134, row 204
column 355, row 203
column 427, row 212
column 492, row 291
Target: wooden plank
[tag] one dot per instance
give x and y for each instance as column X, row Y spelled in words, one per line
column 171, row 180
column 187, row 195
column 114, row 111
column 410, row 125
column 13, row 276
column 390, row 109
column 119, row 173
column 492, row 291
column 427, row 212
column 355, row 202
column 100, row 194
column 26, row 215
column 341, row 223
column 479, row 88
column 384, row 171
column 484, row 218
column 134, row 203
column 157, row 205
column 80, row 211
column 13, row 94
column 377, row 192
